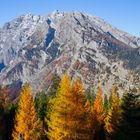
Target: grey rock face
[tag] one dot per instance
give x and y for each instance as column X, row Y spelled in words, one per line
column 33, row 47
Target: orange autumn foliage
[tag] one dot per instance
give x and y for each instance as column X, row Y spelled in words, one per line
column 98, row 107
column 27, row 125
column 70, row 115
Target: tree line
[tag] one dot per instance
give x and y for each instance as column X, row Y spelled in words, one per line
column 68, row 112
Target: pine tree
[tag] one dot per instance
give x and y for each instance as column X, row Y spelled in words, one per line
column 110, row 100
column 27, row 124
column 9, row 120
column 113, row 118
column 90, row 95
column 4, row 102
column 4, row 98
column 54, row 86
column 106, row 102
column 41, row 107
column 52, row 91
column 130, row 126
column 1, row 121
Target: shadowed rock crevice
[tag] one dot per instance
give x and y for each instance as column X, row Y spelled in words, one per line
column 49, row 36
column 2, row 66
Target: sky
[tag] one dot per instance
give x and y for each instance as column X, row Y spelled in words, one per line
column 123, row 14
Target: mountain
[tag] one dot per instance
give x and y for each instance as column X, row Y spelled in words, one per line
column 33, row 47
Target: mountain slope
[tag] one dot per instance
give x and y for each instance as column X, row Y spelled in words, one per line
column 33, row 47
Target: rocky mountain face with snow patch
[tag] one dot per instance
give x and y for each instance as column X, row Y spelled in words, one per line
column 33, row 47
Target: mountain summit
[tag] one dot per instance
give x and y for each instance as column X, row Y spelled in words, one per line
column 33, row 47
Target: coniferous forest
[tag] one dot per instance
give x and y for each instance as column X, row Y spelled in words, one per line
column 69, row 112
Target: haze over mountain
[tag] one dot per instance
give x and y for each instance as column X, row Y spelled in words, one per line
column 33, row 47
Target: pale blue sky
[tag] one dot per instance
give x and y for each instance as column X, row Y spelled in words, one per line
column 124, row 14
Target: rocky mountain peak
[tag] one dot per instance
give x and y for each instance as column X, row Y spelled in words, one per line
column 33, row 47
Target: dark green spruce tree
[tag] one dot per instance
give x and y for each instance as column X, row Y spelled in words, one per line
column 130, row 126
column 90, row 95
column 43, row 104
column 110, row 100
column 54, row 86
column 51, row 94
column 41, row 107
column 106, row 102
column 9, row 120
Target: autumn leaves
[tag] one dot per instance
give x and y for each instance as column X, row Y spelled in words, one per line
column 69, row 118
column 68, row 113
column 27, row 124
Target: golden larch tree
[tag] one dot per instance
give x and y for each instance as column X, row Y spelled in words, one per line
column 27, row 124
column 59, row 117
column 113, row 117
column 70, row 115
column 98, row 107
column 81, row 114
column 98, row 115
